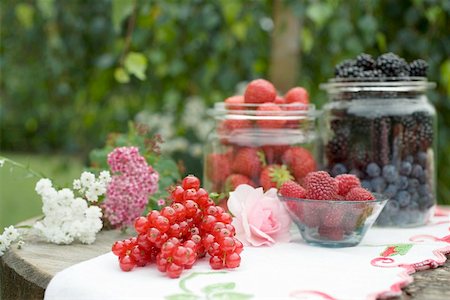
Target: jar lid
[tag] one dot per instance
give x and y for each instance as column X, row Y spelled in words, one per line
column 381, row 84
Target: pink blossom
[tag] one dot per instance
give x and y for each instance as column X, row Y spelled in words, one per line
column 161, row 202
column 259, row 218
column 132, row 183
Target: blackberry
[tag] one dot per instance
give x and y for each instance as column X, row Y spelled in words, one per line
column 425, row 129
column 336, row 149
column 392, row 65
column 339, row 69
column 365, row 61
column 371, row 74
column 359, row 156
column 350, row 72
column 418, row 68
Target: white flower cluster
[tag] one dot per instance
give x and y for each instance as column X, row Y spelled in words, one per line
column 66, row 217
column 90, row 187
column 9, row 236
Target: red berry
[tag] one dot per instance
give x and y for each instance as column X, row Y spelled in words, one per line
column 173, row 270
column 143, row 242
column 270, row 116
column 169, row 213
column 234, row 102
column 235, row 180
column 259, row 91
column 222, row 233
column 140, row 257
column 208, row 239
column 248, row 162
column 141, row 224
column 299, row 161
column 273, row 153
column 273, row 176
column 225, row 218
column 162, row 224
column 151, row 216
column 191, row 208
column 297, row 94
column 321, row 186
column 190, row 182
column 190, row 194
column 175, row 231
column 218, row 167
column 118, row 248
column 180, row 210
column 126, row 263
column 216, row 262
column 359, row 194
column 228, row 245
column 161, row 263
column 180, row 256
column 190, row 244
column 292, row 189
column 153, row 235
column 208, row 222
column 332, row 217
column 279, row 100
column 178, row 194
column 167, row 248
column 239, row 246
column 202, row 196
column 346, row 182
column 233, row 260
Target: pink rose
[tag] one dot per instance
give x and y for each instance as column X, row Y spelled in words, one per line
column 259, row 218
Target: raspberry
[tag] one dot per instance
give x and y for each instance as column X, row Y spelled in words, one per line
column 234, row 102
column 359, row 194
column 260, row 91
column 273, row 176
column 273, row 112
column 321, row 186
column 235, row 180
column 292, row 189
column 346, row 182
column 297, row 94
column 299, row 161
column 248, row 162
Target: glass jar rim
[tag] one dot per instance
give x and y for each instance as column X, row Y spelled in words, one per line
column 290, row 111
column 378, row 84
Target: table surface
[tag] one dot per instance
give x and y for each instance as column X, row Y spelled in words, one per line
column 33, row 266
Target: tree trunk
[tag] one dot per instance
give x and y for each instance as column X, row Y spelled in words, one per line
column 285, row 51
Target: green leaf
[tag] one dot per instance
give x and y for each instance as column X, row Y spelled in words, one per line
column 120, row 10
column 47, row 8
column 216, row 287
column 307, row 40
column 445, row 75
column 25, row 14
column 230, row 296
column 121, row 75
column 136, row 64
column 182, row 297
column 319, row 12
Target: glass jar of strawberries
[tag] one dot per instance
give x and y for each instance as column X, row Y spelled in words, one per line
column 261, row 139
column 380, row 126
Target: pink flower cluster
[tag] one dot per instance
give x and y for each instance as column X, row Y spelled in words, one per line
column 132, row 183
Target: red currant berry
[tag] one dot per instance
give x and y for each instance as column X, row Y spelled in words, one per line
column 180, row 211
column 178, row 194
column 180, row 256
column 212, row 210
column 167, row 248
column 161, row 263
column 191, row 208
column 162, row 224
column 184, row 228
column 214, row 249
column 190, row 194
column 126, row 263
column 216, row 262
column 190, row 182
column 190, row 244
column 208, row 222
column 174, row 240
column 141, row 224
column 223, row 233
column 232, row 260
column 161, row 240
column 191, row 255
column 239, row 246
column 202, row 196
column 225, row 218
column 139, row 256
column 217, row 227
column 220, row 211
column 151, row 216
column 228, row 245
column 174, row 230
column 231, row 229
column 207, row 240
column 143, row 242
column 153, row 235
column 194, row 231
column 196, row 238
column 118, row 248
column 169, row 213
column 173, row 270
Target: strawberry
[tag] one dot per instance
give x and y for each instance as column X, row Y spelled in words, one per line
column 292, row 189
column 273, row 112
column 321, row 186
column 234, row 102
column 359, row 194
column 279, row 100
column 218, row 167
column 259, row 91
column 299, row 161
column 235, row 180
column 297, row 94
column 274, row 153
column 228, row 126
column 248, row 162
column 273, row 176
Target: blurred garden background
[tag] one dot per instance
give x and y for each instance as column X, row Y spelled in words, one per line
column 74, row 71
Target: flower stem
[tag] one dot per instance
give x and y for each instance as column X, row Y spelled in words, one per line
column 22, row 166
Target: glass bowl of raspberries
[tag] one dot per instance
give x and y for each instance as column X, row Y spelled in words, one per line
column 331, row 212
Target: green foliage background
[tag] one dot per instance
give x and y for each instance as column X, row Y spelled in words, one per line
column 72, row 71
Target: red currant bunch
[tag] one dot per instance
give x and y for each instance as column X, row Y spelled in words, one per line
column 186, row 230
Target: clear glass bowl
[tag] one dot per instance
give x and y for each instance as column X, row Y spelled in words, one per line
column 333, row 223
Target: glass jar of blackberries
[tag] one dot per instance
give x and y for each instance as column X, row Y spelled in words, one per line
column 383, row 129
column 260, row 144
